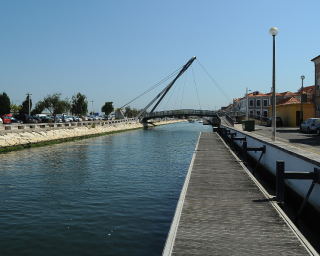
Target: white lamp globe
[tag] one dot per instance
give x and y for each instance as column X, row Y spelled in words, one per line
column 302, row 77
column 273, row 31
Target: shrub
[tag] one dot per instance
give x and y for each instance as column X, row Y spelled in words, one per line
column 93, row 125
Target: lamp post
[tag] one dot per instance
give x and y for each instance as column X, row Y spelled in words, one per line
column 301, row 117
column 247, row 105
column 274, row 31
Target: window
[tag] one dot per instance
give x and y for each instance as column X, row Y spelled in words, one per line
column 265, row 113
column 258, row 103
column 265, row 103
column 258, row 113
column 251, row 103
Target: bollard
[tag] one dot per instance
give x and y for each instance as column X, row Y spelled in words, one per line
column 244, row 152
column 280, row 181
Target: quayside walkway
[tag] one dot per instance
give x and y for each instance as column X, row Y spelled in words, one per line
column 223, row 210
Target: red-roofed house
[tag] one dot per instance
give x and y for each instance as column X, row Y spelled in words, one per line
column 289, row 110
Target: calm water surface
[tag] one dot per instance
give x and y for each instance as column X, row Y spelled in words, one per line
column 111, row 195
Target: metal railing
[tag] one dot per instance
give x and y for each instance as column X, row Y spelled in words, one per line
column 230, row 120
column 181, row 112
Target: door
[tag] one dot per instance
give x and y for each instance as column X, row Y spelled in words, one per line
column 298, row 118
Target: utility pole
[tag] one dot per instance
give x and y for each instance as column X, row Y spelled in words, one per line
column 68, row 106
column 92, row 107
column 29, row 101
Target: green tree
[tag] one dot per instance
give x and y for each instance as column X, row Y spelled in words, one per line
column 131, row 112
column 15, row 109
column 67, row 105
column 4, row 104
column 79, row 104
column 25, row 106
column 52, row 102
column 39, row 107
column 107, row 108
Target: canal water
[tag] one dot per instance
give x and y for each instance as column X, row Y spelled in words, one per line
column 109, row 195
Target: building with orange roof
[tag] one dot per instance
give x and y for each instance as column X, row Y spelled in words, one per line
column 289, row 110
column 260, row 103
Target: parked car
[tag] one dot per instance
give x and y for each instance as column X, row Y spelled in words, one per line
column 39, row 119
column 77, row 119
column 310, row 125
column 6, row 119
column 1, row 121
column 25, row 118
column 46, row 119
column 58, row 119
column 13, row 120
column 278, row 121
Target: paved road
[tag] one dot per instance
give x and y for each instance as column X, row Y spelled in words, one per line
column 290, row 135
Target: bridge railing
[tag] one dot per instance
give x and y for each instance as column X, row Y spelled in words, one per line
column 236, row 113
column 180, row 112
column 231, row 121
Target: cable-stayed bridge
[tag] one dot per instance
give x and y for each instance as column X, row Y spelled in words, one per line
column 144, row 115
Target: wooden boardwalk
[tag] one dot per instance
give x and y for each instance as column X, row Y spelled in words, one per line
column 223, row 210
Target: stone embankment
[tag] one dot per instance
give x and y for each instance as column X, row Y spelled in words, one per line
column 30, row 137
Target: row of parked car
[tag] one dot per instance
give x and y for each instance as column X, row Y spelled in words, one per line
column 22, row 118
column 310, row 125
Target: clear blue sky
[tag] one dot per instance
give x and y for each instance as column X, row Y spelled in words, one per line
column 115, row 50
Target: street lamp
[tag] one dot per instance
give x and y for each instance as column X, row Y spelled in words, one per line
column 301, row 117
column 274, row 31
column 247, row 105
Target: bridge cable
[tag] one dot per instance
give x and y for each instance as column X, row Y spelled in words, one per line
column 225, row 95
column 194, row 79
column 165, row 107
column 184, row 85
column 164, row 92
column 154, row 86
column 178, row 92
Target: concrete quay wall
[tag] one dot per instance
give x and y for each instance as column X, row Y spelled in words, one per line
column 56, row 132
column 296, row 160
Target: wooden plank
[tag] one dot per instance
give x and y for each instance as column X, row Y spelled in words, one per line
column 224, row 212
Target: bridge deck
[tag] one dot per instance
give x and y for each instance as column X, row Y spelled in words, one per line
column 222, row 211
